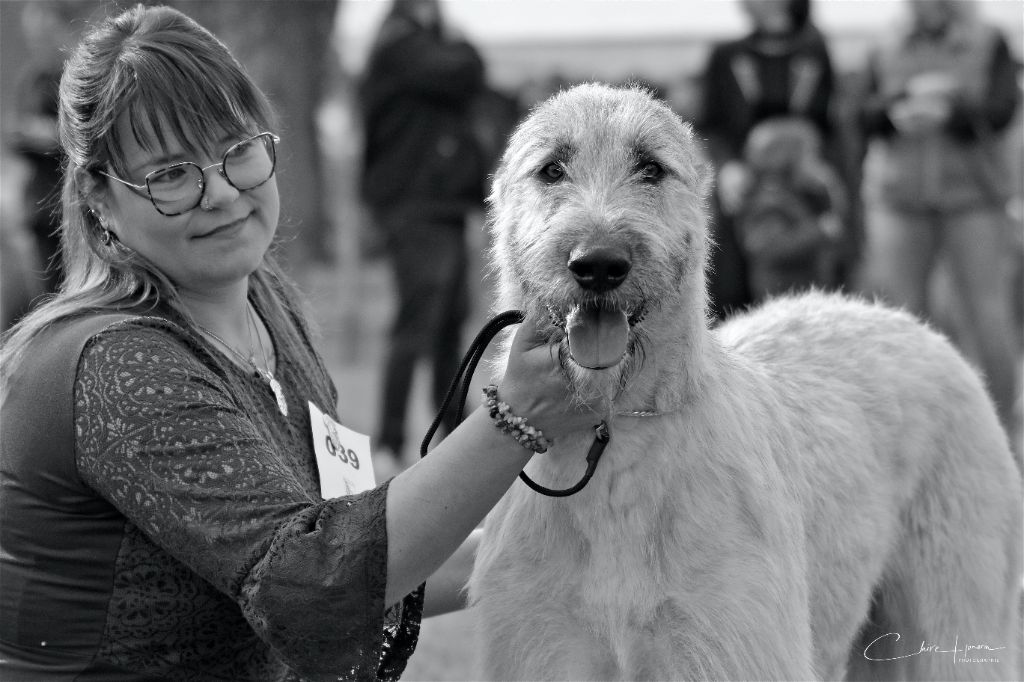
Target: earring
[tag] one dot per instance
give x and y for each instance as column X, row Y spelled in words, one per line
column 106, row 236
column 205, row 203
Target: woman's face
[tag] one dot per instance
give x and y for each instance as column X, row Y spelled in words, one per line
column 769, row 16
column 427, row 12
column 216, row 244
column 932, row 15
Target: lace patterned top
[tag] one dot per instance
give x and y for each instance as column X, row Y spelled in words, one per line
column 194, row 543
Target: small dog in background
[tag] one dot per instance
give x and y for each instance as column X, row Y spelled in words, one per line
column 817, row 489
column 789, row 209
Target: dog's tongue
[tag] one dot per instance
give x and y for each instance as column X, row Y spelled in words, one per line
column 597, row 338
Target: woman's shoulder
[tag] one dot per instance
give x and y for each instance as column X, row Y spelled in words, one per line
column 728, row 47
column 55, row 349
column 150, row 326
column 84, row 329
column 144, row 365
column 39, row 391
column 145, row 342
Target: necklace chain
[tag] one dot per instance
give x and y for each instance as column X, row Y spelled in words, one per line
column 643, row 413
column 253, row 329
column 653, row 412
column 262, row 372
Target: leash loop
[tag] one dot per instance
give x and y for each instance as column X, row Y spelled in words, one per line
column 460, row 385
column 601, row 438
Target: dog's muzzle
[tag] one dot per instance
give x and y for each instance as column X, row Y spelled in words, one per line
column 597, row 325
column 598, row 337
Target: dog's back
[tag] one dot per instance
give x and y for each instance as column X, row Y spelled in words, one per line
column 925, row 522
column 885, row 443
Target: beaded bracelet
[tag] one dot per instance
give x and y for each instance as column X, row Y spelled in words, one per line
column 528, row 436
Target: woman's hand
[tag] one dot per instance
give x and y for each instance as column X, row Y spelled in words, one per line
column 434, row 505
column 920, row 115
column 536, row 387
column 927, row 106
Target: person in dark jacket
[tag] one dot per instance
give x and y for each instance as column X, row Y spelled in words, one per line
column 942, row 91
column 34, row 135
column 423, row 173
column 782, row 68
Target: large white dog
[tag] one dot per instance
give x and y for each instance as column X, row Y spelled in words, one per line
column 817, row 489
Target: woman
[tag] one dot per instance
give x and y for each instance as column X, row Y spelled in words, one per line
column 423, row 174
column 161, row 512
column 942, row 89
column 780, row 69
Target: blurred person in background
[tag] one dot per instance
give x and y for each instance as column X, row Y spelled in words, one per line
column 790, row 208
column 47, row 31
column 423, row 173
column 19, row 285
column 782, row 68
column 936, row 185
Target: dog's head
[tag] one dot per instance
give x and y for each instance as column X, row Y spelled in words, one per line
column 598, row 217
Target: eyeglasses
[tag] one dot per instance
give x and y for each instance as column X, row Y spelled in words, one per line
column 179, row 188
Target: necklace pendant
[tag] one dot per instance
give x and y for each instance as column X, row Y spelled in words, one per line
column 279, row 393
column 275, row 386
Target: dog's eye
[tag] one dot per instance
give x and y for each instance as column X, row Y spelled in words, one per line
column 651, row 171
column 552, row 172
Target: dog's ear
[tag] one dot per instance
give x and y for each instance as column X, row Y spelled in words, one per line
column 497, row 182
column 704, row 172
column 491, row 202
column 699, row 173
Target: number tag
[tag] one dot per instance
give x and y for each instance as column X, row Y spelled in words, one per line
column 342, row 456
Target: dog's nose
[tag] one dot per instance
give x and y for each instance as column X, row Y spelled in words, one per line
column 600, row 268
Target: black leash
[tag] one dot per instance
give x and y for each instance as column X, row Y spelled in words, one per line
column 460, row 384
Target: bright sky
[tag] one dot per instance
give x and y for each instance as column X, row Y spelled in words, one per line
column 496, row 21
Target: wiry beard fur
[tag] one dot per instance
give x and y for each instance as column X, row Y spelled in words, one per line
column 588, row 385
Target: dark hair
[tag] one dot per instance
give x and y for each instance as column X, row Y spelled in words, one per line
column 146, row 63
column 170, row 76
column 408, row 9
column 799, row 14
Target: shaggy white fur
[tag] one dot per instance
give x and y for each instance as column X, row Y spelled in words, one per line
column 825, row 492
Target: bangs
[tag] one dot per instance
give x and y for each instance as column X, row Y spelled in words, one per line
column 178, row 92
